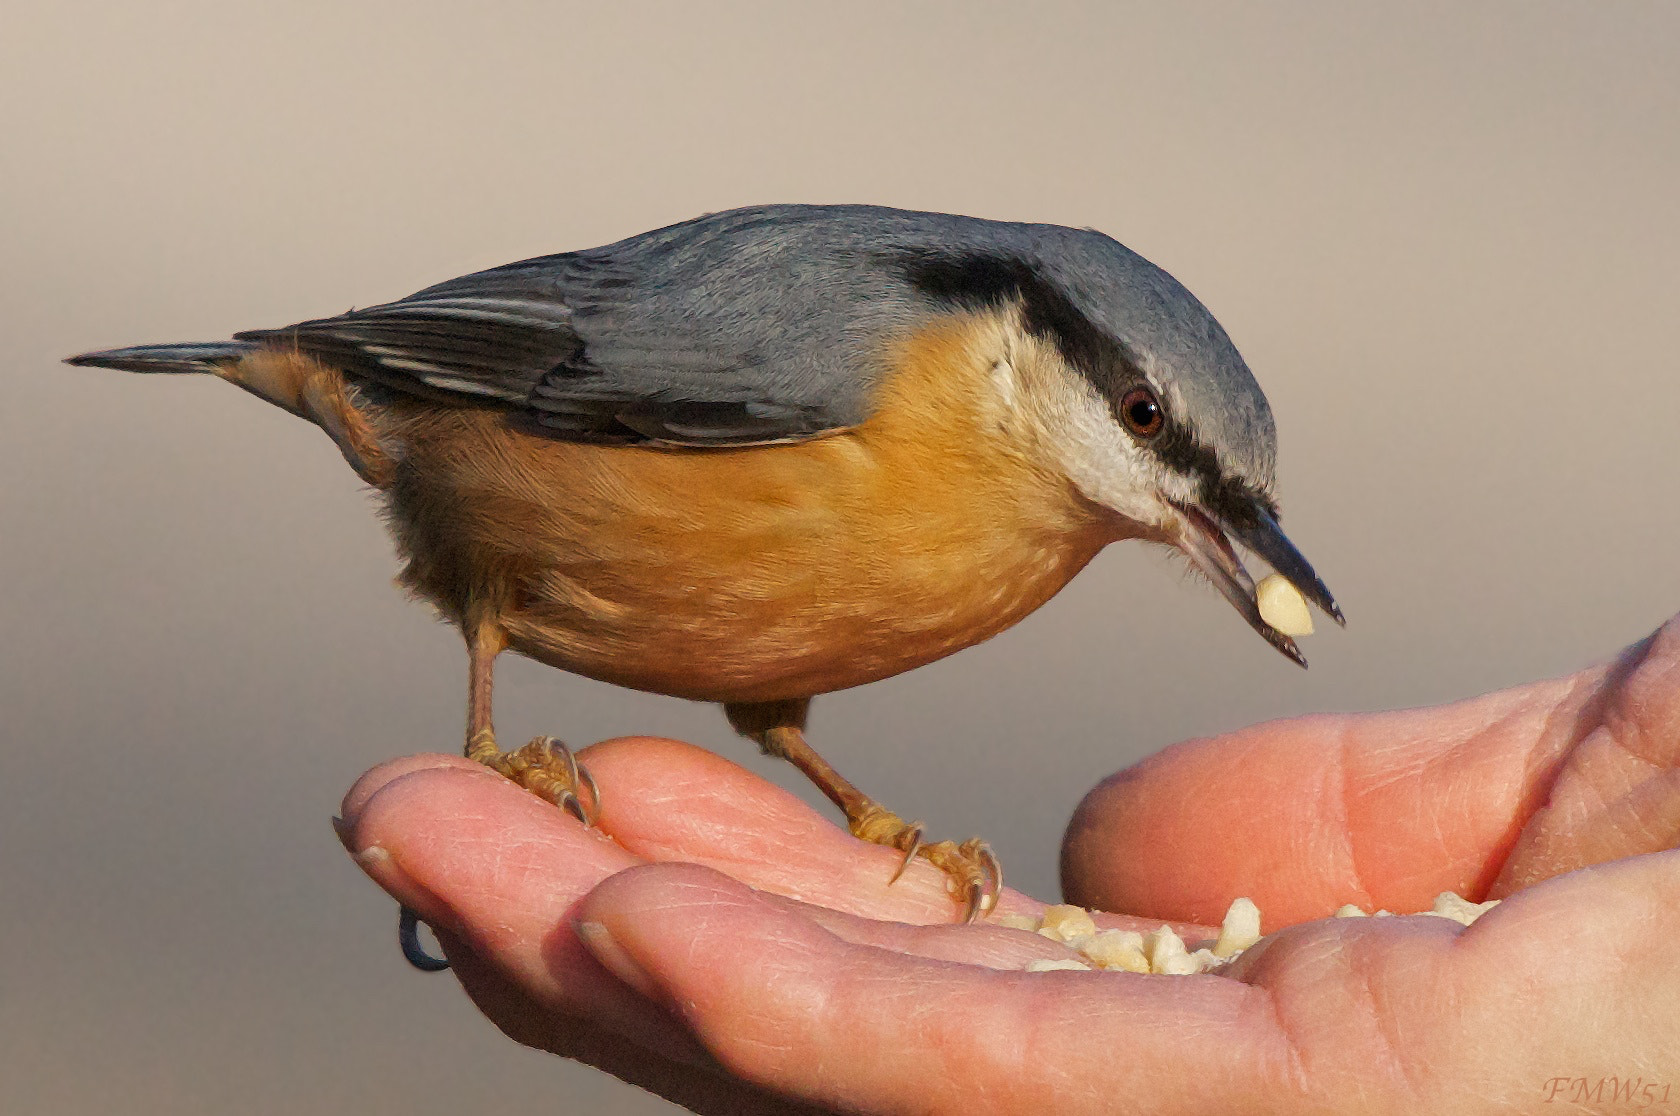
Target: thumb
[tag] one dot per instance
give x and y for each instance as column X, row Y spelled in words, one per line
column 1304, row 815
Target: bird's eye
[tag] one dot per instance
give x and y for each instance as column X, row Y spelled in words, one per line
column 1141, row 412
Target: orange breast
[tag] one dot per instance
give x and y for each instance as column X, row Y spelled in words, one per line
column 748, row 574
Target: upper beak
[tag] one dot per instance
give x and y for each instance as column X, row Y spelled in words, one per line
column 1207, row 542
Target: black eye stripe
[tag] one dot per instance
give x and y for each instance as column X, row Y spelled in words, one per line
column 981, row 282
column 984, row 281
column 1229, row 498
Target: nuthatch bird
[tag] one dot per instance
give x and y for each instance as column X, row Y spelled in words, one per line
column 779, row 451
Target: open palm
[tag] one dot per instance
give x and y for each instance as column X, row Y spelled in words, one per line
column 721, row 943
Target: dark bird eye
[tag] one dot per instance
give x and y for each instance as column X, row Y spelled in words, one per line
column 1141, row 412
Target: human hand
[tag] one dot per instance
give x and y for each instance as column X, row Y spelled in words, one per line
column 720, row 943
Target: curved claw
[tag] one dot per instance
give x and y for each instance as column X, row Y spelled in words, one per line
column 983, row 893
column 594, row 810
column 553, row 745
column 994, row 869
column 573, row 805
column 913, row 837
column 408, row 936
column 577, row 776
column 533, row 767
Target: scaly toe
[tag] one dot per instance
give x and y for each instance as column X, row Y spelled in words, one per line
column 549, row 770
column 972, row 872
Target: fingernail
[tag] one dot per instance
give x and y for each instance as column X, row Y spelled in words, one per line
column 372, row 855
column 598, row 940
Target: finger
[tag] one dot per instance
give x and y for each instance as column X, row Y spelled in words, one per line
column 498, row 871
column 1564, row 977
column 1618, row 793
column 664, row 800
column 374, row 780
column 784, row 1003
column 1380, row 810
column 1402, row 1014
column 704, row 1089
column 982, row 943
column 730, row 817
column 675, row 802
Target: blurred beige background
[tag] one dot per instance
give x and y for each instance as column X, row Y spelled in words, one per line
column 1445, row 237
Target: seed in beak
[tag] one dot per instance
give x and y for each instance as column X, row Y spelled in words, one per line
column 1282, row 606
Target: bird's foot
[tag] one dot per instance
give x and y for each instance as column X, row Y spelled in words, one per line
column 547, row 769
column 972, row 871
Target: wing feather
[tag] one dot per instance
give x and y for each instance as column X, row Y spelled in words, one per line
column 740, row 328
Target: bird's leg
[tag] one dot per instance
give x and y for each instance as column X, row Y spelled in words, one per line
column 971, row 868
column 544, row 766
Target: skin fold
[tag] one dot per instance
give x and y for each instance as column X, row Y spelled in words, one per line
column 720, row 943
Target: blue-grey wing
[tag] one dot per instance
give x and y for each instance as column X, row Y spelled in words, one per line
column 742, row 328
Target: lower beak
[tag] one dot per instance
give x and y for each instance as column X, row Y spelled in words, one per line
column 1207, row 543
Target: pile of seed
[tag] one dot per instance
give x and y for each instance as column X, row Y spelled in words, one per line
column 1162, row 951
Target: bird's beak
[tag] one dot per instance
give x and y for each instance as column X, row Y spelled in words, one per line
column 1207, row 542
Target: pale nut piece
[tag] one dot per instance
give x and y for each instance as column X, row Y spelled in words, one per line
column 1114, row 949
column 1349, row 910
column 1206, row 960
column 1016, row 921
column 1450, row 904
column 1178, row 964
column 1064, row 922
column 1050, row 965
column 1127, row 961
column 1240, row 929
column 1282, row 606
column 1161, row 946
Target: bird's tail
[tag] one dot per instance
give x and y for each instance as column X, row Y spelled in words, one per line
column 290, row 380
column 202, row 356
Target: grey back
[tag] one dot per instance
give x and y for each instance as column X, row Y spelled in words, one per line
column 761, row 324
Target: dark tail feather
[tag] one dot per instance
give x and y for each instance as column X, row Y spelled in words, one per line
column 203, row 356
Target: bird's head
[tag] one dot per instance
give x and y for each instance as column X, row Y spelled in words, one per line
column 1139, row 398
